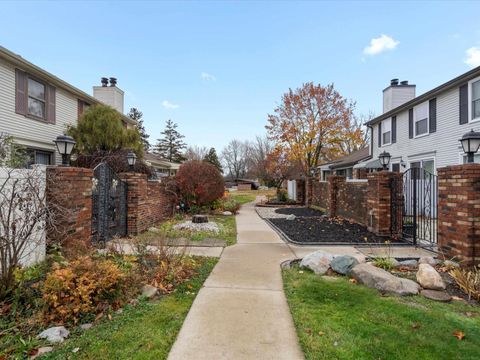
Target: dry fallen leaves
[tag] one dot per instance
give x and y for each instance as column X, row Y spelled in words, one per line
column 353, row 281
column 321, row 333
column 460, row 335
column 308, row 331
column 416, row 325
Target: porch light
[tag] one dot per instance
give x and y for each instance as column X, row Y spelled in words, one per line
column 384, row 158
column 132, row 159
column 65, row 145
column 470, row 143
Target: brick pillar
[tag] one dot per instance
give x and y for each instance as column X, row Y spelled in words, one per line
column 308, row 190
column 300, row 191
column 379, row 202
column 333, row 182
column 69, row 194
column 459, row 212
column 136, row 198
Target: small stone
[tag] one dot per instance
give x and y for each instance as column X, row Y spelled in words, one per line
column 429, row 278
column 154, row 229
column 75, row 350
column 149, row 291
column 410, row 264
column 119, row 311
column 54, row 334
column 436, row 295
column 86, row 326
column 318, row 261
column 451, row 264
column 42, row 351
column 343, row 264
column 428, row 260
column 290, row 217
column 227, row 213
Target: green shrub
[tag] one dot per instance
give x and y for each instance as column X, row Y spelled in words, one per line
column 230, row 204
column 282, row 195
column 384, row 263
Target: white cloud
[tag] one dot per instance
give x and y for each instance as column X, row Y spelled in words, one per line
column 168, row 105
column 380, row 44
column 207, row 77
column 472, row 56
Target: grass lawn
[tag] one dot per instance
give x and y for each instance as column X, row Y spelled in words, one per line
column 146, row 331
column 244, row 197
column 227, row 224
column 336, row 319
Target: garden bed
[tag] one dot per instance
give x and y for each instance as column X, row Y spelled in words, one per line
column 310, row 226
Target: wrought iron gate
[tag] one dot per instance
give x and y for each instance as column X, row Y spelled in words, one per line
column 109, row 208
column 414, row 207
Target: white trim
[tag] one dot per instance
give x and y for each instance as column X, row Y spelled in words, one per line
column 415, row 136
column 470, row 120
column 424, row 159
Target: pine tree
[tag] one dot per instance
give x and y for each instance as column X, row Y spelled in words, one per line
column 212, row 158
column 137, row 115
column 170, row 146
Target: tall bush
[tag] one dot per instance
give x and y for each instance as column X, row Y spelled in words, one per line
column 199, row 183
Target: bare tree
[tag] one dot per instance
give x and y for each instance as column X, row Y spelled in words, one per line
column 196, row 152
column 257, row 153
column 234, row 156
column 358, row 135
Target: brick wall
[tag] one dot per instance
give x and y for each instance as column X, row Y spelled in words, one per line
column 352, row 201
column 300, row 191
column 320, row 191
column 148, row 202
column 69, row 194
column 459, row 212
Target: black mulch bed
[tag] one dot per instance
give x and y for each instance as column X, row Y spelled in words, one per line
column 318, row 229
column 299, row 212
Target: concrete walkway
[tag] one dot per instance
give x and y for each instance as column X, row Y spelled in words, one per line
column 241, row 312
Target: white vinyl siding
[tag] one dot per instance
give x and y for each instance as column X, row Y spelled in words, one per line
column 442, row 145
column 27, row 131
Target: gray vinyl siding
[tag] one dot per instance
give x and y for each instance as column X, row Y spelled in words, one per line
column 27, row 131
column 442, row 145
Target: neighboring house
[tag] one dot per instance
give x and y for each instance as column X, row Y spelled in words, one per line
column 424, row 131
column 163, row 167
column 36, row 106
column 243, row 184
column 345, row 166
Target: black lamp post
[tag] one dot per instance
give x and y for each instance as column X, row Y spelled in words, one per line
column 65, row 145
column 385, row 159
column 132, row 159
column 470, row 143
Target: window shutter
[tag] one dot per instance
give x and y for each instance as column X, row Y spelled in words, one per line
column 379, row 134
column 394, row 129
column 410, row 123
column 20, row 92
column 432, row 114
column 51, row 99
column 463, row 104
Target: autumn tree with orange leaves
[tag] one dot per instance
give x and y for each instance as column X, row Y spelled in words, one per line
column 313, row 124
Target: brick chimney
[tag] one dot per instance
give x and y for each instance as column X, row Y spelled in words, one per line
column 109, row 94
column 396, row 94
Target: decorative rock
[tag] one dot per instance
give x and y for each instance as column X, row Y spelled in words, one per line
column 86, row 326
column 429, row 278
column 54, row 334
column 410, row 264
column 436, row 295
column 290, row 217
column 42, row 351
column 343, row 264
column 428, row 260
column 382, row 280
column 227, row 213
column 199, row 219
column 451, row 264
column 318, row 261
column 149, row 291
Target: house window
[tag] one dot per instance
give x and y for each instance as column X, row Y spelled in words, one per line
column 36, row 99
column 476, row 100
column 39, row 157
column 325, row 174
column 386, row 132
column 396, row 167
column 421, row 119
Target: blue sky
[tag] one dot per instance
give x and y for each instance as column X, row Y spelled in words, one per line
column 249, row 53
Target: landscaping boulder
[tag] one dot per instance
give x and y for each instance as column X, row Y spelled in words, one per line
column 428, row 260
column 54, row 334
column 429, row 278
column 382, row 280
column 149, row 291
column 409, row 264
column 290, row 217
column 318, row 261
column 343, row 264
column 436, row 295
